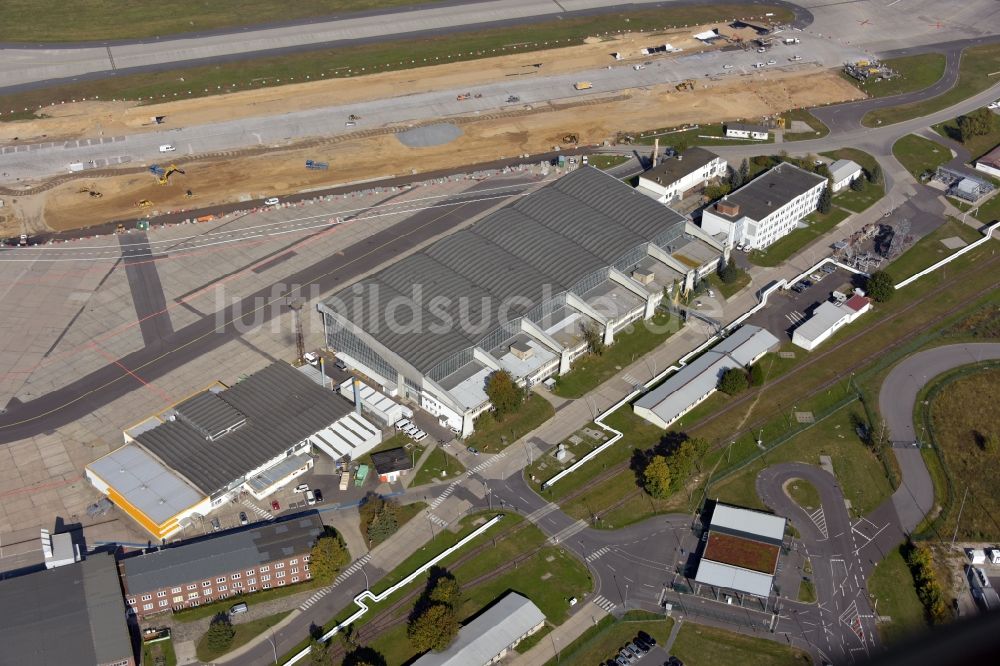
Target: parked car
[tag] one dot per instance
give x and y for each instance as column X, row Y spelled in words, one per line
column 167, row 148
column 302, row 487
column 829, row 269
column 646, row 638
column 473, row 450
column 418, row 435
column 275, row 506
column 711, row 293
column 312, row 358
column 771, row 62
column 310, row 497
column 243, row 518
column 674, row 661
column 627, row 654
column 621, row 661
column 239, row 608
column 643, row 646
column 216, row 525
column 634, row 649
column 727, row 67
column 401, row 424
column 319, row 495
column 271, row 201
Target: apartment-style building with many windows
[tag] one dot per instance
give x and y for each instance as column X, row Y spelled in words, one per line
column 200, row 572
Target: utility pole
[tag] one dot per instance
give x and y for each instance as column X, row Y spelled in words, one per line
column 959, row 521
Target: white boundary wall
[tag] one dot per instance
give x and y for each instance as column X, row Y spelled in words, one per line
column 367, row 595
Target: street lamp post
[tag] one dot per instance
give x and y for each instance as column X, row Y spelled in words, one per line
column 367, row 586
column 274, row 647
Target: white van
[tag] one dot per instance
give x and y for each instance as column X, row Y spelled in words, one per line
column 310, row 497
column 167, row 148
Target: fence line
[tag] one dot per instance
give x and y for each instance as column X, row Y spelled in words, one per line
column 368, row 595
column 987, row 235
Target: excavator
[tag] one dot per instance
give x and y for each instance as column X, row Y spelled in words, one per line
column 143, row 203
column 93, row 193
column 164, row 174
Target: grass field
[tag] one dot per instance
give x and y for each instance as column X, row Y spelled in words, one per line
column 698, row 645
column 56, row 21
column 807, row 592
column 861, row 476
column 977, row 64
column 848, row 198
column 439, row 465
column 929, row 249
column 703, row 135
column 245, row 631
column 729, row 290
column 892, row 585
column 916, row 73
column 804, row 494
column 989, row 212
column 607, row 161
column 223, row 606
column 783, row 248
column 591, row 370
column 602, row 642
column 919, row 155
column 164, row 649
column 964, row 418
column 819, row 129
column 357, row 59
column 977, row 145
column 492, row 436
column 404, row 514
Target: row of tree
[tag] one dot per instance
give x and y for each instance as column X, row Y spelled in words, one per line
column 665, row 468
column 379, row 517
column 737, row 380
column 433, row 623
column 918, row 559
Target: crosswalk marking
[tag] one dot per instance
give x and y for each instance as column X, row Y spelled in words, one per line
column 605, row 603
column 598, row 553
column 344, row 575
column 632, row 381
column 819, row 519
column 537, row 514
column 440, row 522
column 567, row 532
column 444, row 495
column 261, row 513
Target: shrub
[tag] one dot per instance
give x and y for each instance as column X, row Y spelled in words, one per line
column 734, row 381
column 220, row 633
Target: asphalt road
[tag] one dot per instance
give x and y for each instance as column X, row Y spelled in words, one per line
column 166, row 350
column 30, row 66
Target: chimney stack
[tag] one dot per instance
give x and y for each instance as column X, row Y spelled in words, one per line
column 656, row 151
column 357, row 395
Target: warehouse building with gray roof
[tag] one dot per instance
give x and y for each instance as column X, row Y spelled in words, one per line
column 515, row 291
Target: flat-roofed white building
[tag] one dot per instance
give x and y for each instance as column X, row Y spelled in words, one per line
column 990, row 163
column 842, row 173
column 765, row 209
column 827, row 319
column 700, row 378
column 741, row 551
column 745, row 131
column 675, row 177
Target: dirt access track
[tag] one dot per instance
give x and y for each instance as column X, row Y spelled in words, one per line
column 374, row 154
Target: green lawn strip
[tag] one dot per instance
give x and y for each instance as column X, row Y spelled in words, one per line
column 223, row 606
column 915, row 73
column 728, row 290
column 439, row 465
column 245, row 632
column 989, row 212
column 891, row 584
column 804, row 494
column 697, row 644
column 807, row 592
column 164, row 649
column 606, row 162
column 963, row 415
column 534, row 639
column 872, row 192
column 404, row 514
column 493, row 436
column 546, row 466
column 930, row 250
column 603, row 640
column 783, row 248
column 919, row 155
column 362, row 59
column 56, row 21
column 713, row 134
column 977, row 145
column 977, row 64
column 818, row 131
column 590, row 371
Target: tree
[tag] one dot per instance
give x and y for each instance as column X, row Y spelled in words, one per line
column 594, row 338
column 446, row 591
column 977, row 123
column 319, row 652
column 713, row 192
column 656, row 477
column 504, row 393
column 744, row 171
column 327, row 558
column 880, row 286
column 733, row 381
column 220, row 633
column 433, row 628
column 379, row 517
column 728, row 272
column 756, row 374
column 874, row 174
column 858, row 184
column 363, row 656
column 734, row 179
column 825, row 201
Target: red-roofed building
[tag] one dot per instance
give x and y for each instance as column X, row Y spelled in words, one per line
column 990, row 163
column 828, row 318
column 858, row 303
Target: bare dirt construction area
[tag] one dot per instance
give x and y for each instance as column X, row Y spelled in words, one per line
column 483, row 138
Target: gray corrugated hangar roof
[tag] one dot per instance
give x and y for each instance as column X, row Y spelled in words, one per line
column 556, row 236
column 217, row 555
column 73, row 614
column 282, row 407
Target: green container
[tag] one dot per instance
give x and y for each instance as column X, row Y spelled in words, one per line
column 142, row 225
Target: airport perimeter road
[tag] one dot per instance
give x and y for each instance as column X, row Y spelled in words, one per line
column 896, row 402
column 26, row 66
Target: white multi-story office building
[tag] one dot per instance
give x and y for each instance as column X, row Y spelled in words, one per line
column 674, row 177
column 766, row 208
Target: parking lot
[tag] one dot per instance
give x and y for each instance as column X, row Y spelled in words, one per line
column 787, row 309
